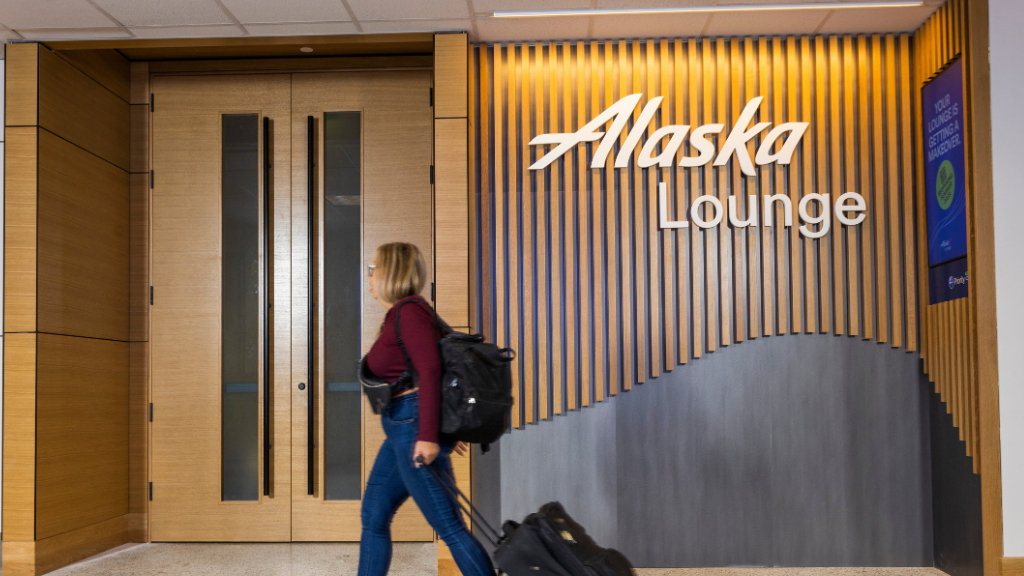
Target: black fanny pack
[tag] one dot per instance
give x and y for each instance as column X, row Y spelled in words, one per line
column 379, row 392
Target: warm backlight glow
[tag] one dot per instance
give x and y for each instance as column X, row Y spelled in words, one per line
column 701, row 9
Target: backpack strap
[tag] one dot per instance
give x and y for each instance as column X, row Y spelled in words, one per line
column 438, row 323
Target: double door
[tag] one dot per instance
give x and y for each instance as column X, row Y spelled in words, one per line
column 270, row 193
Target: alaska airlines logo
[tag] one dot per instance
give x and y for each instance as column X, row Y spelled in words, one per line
column 619, row 113
column 714, row 214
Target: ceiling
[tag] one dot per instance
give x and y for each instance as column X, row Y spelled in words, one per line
column 50, row 20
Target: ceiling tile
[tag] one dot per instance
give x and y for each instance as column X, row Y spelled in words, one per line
column 384, row 26
column 186, row 31
column 877, row 20
column 529, row 29
column 73, row 33
column 267, row 11
column 51, row 14
column 402, row 9
column 492, row 5
column 649, row 26
column 765, row 23
column 301, row 28
column 165, row 12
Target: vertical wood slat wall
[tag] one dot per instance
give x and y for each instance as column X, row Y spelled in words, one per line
column 947, row 346
column 626, row 300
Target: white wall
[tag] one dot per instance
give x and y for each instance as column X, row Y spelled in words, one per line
column 1007, row 67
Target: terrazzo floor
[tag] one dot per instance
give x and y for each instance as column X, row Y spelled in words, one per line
column 410, row 559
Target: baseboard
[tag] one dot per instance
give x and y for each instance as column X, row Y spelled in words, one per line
column 43, row 556
column 138, row 527
column 1013, row 566
column 445, row 567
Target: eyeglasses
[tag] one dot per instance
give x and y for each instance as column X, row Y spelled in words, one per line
column 370, row 268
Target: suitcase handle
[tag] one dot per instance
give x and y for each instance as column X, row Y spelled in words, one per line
column 451, row 488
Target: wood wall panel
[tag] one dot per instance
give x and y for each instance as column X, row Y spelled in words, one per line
column 47, row 555
column 19, row 460
column 79, row 109
column 107, row 67
column 664, row 297
column 451, row 218
column 138, row 440
column 450, row 55
column 82, row 433
column 83, row 242
column 22, row 85
column 21, row 208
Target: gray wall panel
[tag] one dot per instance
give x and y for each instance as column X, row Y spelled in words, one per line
column 570, row 459
column 804, row 450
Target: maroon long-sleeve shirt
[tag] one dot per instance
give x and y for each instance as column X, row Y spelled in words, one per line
column 420, row 336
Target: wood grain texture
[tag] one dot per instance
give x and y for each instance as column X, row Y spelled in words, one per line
column 543, row 201
column 451, row 218
column 80, row 110
column 981, row 258
column 83, row 257
column 138, row 440
column 246, row 65
column 19, row 458
column 528, row 224
column 450, row 54
column 186, row 314
column 138, row 257
column 139, row 86
column 514, row 199
column 47, row 555
column 22, row 85
column 1012, row 566
column 393, row 109
column 139, row 134
column 21, row 219
column 82, row 433
column 107, row 67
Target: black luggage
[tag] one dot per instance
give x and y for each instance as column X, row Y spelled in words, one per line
column 547, row 542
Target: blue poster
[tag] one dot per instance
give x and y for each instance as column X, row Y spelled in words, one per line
column 944, row 166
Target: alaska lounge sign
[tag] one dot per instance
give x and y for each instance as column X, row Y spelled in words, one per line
column 735, row 143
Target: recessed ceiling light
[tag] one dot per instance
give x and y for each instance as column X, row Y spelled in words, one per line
column 704, row 9
column 305, row 49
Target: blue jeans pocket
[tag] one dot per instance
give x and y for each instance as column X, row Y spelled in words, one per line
column 404, row 410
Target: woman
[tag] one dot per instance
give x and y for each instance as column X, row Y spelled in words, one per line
column 411, row 421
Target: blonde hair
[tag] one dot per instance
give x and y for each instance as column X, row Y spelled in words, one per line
column 401, row 271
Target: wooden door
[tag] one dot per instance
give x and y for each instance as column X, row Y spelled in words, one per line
column 191, row 500
column 388, row 118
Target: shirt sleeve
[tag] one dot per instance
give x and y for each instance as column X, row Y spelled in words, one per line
column 420, row 339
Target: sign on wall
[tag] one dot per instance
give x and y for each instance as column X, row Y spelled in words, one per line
column 942, row 103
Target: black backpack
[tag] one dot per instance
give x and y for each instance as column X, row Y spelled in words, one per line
column 476, row 384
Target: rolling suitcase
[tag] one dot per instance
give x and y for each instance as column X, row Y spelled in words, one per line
column 548, row 542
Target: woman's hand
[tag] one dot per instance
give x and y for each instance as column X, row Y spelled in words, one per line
column 461, row 448
column 427, row 450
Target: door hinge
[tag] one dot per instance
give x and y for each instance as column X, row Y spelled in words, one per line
column 432, row 299
column 150, row 102
column 150, row 411
column 150, row 491
column 150, row 295
column 431, row 96
column 431, row 173
column 150, row 179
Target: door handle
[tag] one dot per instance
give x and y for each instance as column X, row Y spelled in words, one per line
column 266, row 306
column 311, row 191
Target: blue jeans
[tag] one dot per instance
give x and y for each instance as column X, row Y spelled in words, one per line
column 393, row 479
